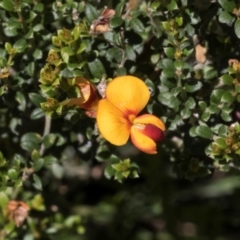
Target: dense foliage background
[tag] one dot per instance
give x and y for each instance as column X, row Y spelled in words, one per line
column 75, row 184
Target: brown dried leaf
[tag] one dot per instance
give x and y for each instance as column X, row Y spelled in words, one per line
column 101, row 25
column 18, row 211
column 200, row 53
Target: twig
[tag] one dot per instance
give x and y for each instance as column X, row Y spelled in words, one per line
column 122, row 49
column 46, row 131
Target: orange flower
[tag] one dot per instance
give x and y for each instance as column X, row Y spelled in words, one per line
column 89, row 97
column 117, row 118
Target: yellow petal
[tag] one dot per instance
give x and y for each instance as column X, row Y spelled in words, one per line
column 150, row 119
column 143, row 142
column 112, row 124
column 129, row 94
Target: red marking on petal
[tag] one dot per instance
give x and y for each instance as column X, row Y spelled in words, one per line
column 151, row 131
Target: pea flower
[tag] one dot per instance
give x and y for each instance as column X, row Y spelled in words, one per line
column 89, row 97
column 117, row 115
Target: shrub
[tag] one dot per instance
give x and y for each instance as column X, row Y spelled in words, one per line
column 66, row 72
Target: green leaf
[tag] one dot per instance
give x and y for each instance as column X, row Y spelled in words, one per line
column 96, row 68
column 3, row 90
column 168, row 73
column 121, row 71
column 49, row 140
column 109, row 171
column 3, row 62
column 179, row 21
column 38, row 27
column 57, row 170
column 178, row 64
column 216, row 96
column 49, row 160
column 7, row 5
column 77, row 73
column 116, row 22
column 130, row 53
column 119, row 9
column 37, row 54
column 192, row 131
column 114, row 53
column 204, row 132
column 137, row 25
column 66, row 52
column 38, row 164
column 172, row 5
column 35, row 155
column 227, row 79
column 226, row 116
column 81, row 48
column 190, row 103
column 227, row 97
column 209, row 72
column 10, row 32
column 193, row 86
column 3, row 200
column 205, row 116
column 20, row 45
column 221, row 143
column 169, row 100
column 202, row 105
column 21, row 100
column 226, row 18
column 228, row 5
column 237, row 28
column 222, row 130
column 37, row 113
column 30, row 141
column 37, row 182
column 14, row 125
column 175, row 91
column 38, row 7
column 170, row 52
column 31, row 17
column 76, row 33
column 155, row 58
column 186, row 113
column 91, row 12
column 67, row 73
column 29, row 34
column 213, row 108
column 8, row 46
column 36, row 98
column 12, row 174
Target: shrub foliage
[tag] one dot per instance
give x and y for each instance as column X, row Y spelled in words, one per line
column 59, row 178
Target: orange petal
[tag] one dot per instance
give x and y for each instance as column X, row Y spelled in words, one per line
column 128, row 93
column 150, row 119
column 143, row 142
column 112, row 124
column 89, row 96
column 85, row 88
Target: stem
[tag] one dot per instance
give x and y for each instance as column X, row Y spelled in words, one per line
column 122, row 49
column 46, row 131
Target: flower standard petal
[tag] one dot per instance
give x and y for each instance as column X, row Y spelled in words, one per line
column 112, row 124
column 150, row 119
column 129, row 94
column 142, row 142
